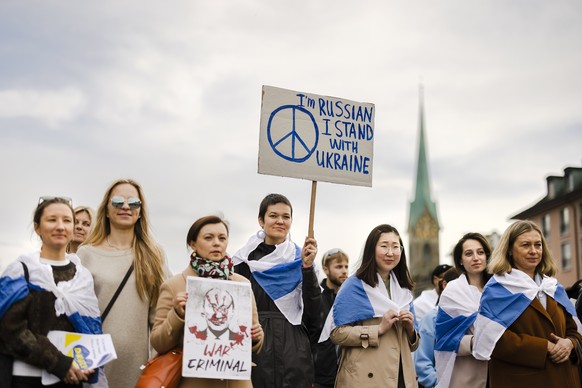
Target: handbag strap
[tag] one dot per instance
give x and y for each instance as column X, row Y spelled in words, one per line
column 25, row 269
column 117, row 292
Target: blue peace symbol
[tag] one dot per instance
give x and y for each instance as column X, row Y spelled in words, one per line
column 299, row 150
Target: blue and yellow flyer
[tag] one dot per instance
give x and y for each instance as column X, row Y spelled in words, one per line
column 89, row 351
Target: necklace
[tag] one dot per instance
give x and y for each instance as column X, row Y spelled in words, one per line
column 113, row 246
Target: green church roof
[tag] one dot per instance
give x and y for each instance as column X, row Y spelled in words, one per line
column 422, row 199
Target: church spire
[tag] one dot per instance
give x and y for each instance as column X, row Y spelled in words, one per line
column 423, row 223
column 422, row 198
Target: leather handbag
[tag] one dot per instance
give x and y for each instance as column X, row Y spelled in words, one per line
column 162, row 371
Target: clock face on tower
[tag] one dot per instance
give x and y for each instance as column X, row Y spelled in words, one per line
column 426, row 227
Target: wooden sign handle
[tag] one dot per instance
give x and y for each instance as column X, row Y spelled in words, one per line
column 312, row 209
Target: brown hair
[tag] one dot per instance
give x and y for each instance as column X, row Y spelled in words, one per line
column 333, row 254
column 458, row 253
column 44, row 203
column 200, row 223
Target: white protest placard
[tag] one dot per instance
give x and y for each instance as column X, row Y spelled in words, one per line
column 89, row 351
column 315, row 137
column 217, row 329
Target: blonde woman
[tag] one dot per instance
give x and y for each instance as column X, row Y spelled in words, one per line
column 120, row 243
column 84, row 216
column 525, row 326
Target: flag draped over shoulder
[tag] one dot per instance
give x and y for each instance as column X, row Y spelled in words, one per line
column 458, row 306
column 504, row 298
column 75, row 298
column 278, row 273
column 358, row 301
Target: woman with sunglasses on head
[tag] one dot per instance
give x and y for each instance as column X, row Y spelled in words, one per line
column 208, row 239
column 84, row 216
column 372, row 317
column 121, row 245
column 43, row 291
column 458, row 306
column 287, row 293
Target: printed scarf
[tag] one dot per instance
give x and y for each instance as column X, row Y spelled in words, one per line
column 211, row 269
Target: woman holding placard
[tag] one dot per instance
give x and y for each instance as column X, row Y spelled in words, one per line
column 208, row 239
column 288, row 296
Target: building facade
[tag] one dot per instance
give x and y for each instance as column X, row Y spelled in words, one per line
column 423, row 223
column 559, row 215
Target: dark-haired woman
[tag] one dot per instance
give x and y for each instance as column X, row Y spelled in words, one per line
column 458, row 307
column 44, row 291
column 208, row 239
column 121, row 243
column 288, row 296
column 374, row 319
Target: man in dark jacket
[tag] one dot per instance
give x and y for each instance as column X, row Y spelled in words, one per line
column 325, row 354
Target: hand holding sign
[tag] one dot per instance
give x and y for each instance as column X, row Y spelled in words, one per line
column 309, row 252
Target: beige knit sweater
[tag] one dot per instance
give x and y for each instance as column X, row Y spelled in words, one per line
column 130, row 319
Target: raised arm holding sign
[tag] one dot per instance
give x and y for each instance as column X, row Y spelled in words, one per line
column 288, row 296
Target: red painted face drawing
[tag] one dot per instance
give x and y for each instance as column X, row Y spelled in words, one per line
column 218, row 309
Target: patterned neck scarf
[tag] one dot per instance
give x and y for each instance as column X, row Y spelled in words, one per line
column 211, row 269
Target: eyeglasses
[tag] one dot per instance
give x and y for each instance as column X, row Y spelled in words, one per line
column 132, row 202
column 46, row 198
column 393, row 248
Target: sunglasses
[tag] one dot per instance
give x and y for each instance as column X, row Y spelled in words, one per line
column 331, row 252
column 46, row 198
column 132, row 202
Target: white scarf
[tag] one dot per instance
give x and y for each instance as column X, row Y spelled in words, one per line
column 278, row 273
column 358, row 301
column 505, row 294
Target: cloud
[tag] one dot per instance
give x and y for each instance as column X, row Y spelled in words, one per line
column 50, row 107
column 171, row 96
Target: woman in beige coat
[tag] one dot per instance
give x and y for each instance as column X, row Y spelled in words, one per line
column 374, row 319
column 208, row 238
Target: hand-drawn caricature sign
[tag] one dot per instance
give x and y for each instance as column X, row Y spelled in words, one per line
column 217, row 329
column 316, row 137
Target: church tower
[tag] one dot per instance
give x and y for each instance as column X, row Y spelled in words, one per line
column 423, row 223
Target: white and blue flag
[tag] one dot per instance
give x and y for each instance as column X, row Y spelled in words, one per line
column 278, row 273
column 457, row 311
column 358, row 301
column 75, row 298
column 504, row 298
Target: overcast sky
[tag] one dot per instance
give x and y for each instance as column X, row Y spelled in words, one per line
column 169, row 94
